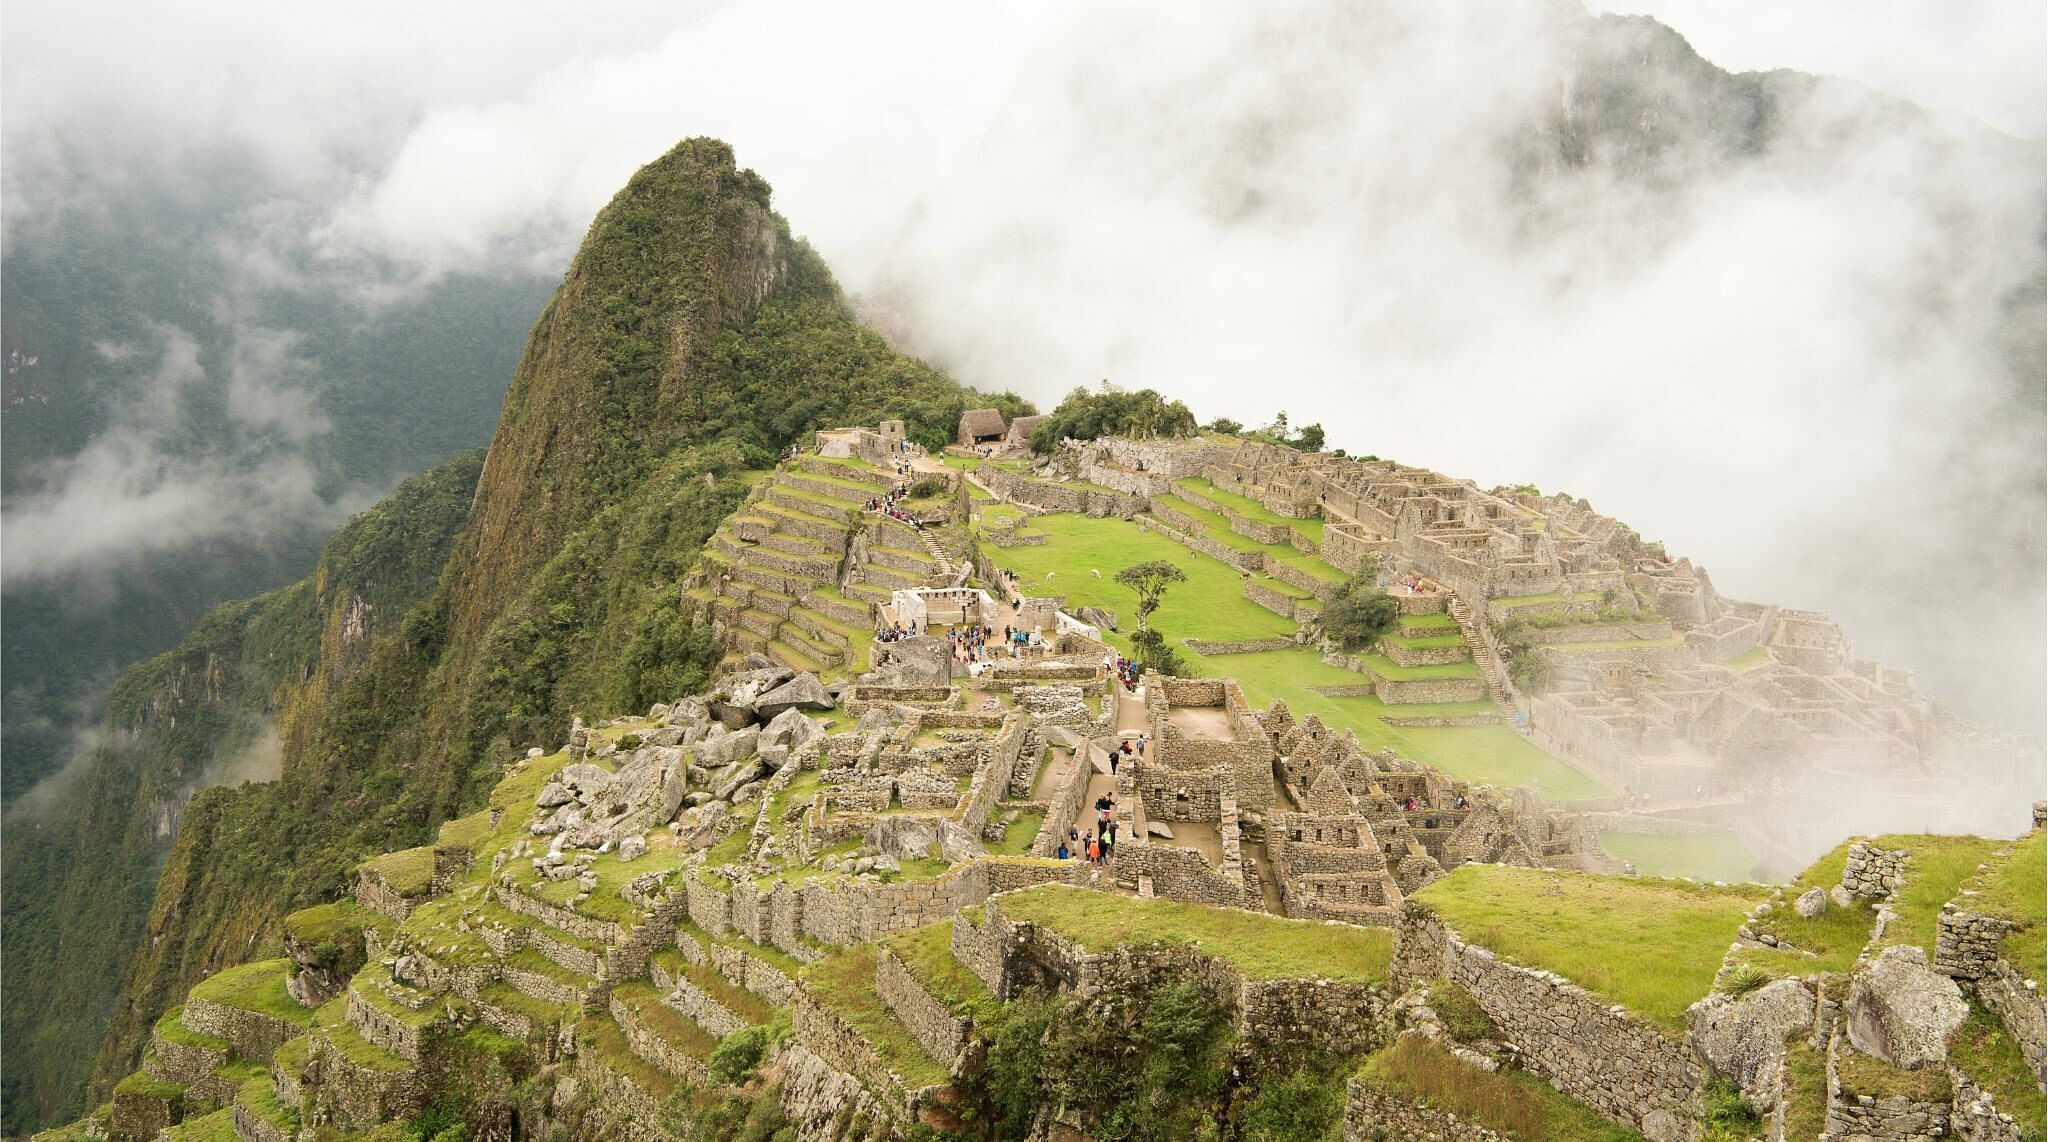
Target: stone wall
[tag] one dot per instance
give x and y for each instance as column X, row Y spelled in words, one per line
column 254, row 1036
column 649, row 1044
column 1242, row 646
column 942, row 1034
column 374, row 893
column 1183, row 874
column 842, row 1046
column 1213, row 548
column 714, row 1017
column 1370, row 1116
column 1968, row 948
column 752, row 973
column 1596, row 1052
column 1429, row 691
column 1278, row 602
column 1873, row 872
column 363, row 1095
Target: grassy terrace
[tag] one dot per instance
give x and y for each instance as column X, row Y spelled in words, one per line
column 257, row 987
column 844, row 984
column 216, row 1127
column 602, row 1036
column 172, row 1030
column 1934, row 874
column 1749, row 659
column 1510, row 1101
column 1653, row 946
column 1259, row 945
column 1707, row 856
column 1493, row 754
column 1835, row 937
column 2014, row 888
column 1986, row 1052
column 1387, row 668
column 409, row 872
column 928, row 953
column 1022, row 831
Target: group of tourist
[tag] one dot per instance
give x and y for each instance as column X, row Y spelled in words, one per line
column 886, row 504
column 896, row 632
column 970, row 643
column 1099, row 844
column 1126, row 671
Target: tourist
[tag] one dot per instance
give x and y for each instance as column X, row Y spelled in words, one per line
column 1094, row 850
column 1113, row 755
column 1063, row 850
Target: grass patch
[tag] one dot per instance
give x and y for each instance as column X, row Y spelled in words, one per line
column 145, row 1086
column 1861, row 1074
column 261, row 1100
column 1387, row 668
column 257, row 987
column 1209, row 605
column 1259, row 945
column 1019, row 834
column 1987, row 1053
column 1704, row 856
column 1806, row 1089
column 1934, row 874
column 1749, row 659
column 409, row 872
column 844, row 984
column 2014, row 889
column 171, row 1030
column 1653, row 946
column 603, row 1037
column 1835, row 937
column 928, row 953
column 1510, row 1101
column 677, row 1029
column 218, row 1126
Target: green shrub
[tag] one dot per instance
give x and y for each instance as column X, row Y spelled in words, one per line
column 1461, row 1014
column 737, row 1055
column 1308, row 1103
column 1359, row 612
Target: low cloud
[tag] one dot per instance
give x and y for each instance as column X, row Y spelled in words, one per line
column 1814, row 370
column 139, row 488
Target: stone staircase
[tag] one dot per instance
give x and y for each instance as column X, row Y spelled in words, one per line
column 1482, row 654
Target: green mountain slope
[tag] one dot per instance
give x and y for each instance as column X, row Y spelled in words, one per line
column 691, row 340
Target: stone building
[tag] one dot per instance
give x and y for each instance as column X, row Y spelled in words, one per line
column 980, row 426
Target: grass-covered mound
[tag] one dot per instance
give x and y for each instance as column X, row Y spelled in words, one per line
column 844, row 984
column 1652, row 946
column 2015, row 888
column 257, row 987
column 1258, row 945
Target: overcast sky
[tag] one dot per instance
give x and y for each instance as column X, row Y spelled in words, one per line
column 1276, row 206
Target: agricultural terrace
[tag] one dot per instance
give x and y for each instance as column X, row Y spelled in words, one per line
column 1653, row 946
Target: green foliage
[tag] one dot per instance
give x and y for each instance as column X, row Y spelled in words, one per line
column 733, row 1062
column 1358, row 613
column 1306, row 1102
column 1111, row 411
column 1154, row 653
column 1226, row 426
column 1529, row 671
column 1461, row 1014
column 1150, row 580
column 1724, row 1115
column 1150, row 1064
column 1510, row 1101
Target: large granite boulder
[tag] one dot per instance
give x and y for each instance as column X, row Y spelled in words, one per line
column 553, row 795
column 905, row 838
column 586, row 782
column 706, row 825
column 1902, row 1011
column 803, row 692
column 724, row 749
column 1743, row 1037
column 733, row 701
column 1097, row 616
column 727, row 781
column 790, row 729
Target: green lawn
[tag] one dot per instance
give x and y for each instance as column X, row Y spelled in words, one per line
column 1211, row 604
column 1705, row 856
column 1749, row 659
column 1259, row 945
column 1653, row 946
column 1495, row 754
column 928, row 953
column 1387, row 668
column 1019, row 835
column 1835, row 937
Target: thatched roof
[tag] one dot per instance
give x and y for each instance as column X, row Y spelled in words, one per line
column 1020, row 429
column 980, row 422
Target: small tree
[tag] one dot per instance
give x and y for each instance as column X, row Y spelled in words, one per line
column 1226, row 426
column 1359, row 611
column 1150, row 580
column 1154, row 653
column 1311, row 438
